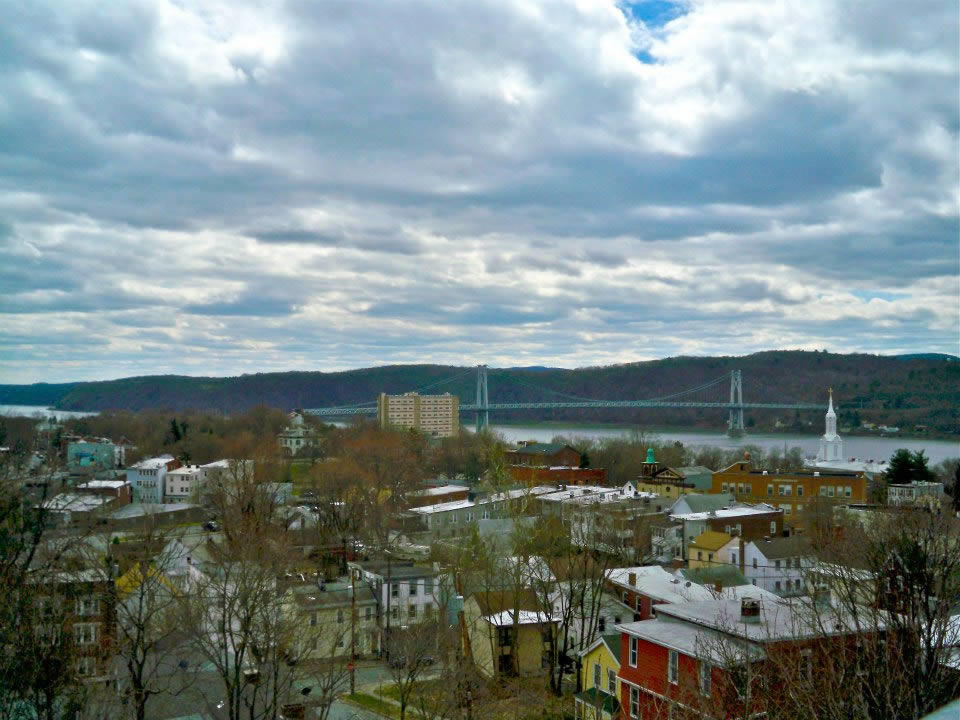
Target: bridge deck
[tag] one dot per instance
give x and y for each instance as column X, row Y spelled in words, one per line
column 593, row 404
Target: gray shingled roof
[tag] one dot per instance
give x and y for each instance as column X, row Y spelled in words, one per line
column 783, row 547
column 706, row 503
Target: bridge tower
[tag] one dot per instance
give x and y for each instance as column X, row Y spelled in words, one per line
column 483, row 399
column 735, row 423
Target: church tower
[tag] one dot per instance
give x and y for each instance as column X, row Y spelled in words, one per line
column 831, row 445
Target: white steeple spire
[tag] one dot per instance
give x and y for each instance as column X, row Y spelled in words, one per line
column 831, row 446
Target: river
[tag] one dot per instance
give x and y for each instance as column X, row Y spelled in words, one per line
column 862, row 447
column 859, row 446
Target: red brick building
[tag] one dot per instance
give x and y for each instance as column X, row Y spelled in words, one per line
column 711, row 658
column 543, row 454
column 545, row 475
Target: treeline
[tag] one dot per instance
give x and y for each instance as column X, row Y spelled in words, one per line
column 904, row 391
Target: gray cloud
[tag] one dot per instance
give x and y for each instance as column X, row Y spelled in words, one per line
column 226, row 187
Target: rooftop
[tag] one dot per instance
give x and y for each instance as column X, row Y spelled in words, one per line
column 655, row 582
column 537, row 448
column 334, row 594
column 495, row 497
column 702, row 503
column 710, row 540
column 153, row 463
column 397, row 570
column 102, row 484
column 723, row 575
column 595, row 495
column 75, row 502
column 731, row 512
column 781, row 547
column 440, row 490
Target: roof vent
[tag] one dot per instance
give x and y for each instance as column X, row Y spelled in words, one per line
column 816, row 473
column 765, row 472
column 688, row 584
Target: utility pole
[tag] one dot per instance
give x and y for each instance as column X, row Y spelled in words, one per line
column 353, row 630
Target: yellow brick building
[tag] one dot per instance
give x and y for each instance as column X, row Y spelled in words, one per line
column 792, row 491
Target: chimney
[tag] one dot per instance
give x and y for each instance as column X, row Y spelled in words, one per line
column 750, row 610
column 718, row 587
column 632, row 579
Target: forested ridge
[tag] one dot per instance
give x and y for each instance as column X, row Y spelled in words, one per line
column 905, row 391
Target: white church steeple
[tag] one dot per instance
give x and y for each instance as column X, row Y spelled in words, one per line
column 831, row 445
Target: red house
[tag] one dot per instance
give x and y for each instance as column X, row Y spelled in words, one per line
column 712, row 658
column 640, row 588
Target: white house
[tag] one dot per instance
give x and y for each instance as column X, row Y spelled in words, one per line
column 406, row 593
column 183, row 484
column 148, row 477
column 778, row 565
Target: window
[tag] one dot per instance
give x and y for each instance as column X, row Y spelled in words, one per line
column 394, row 613
column 395, row 590
column 777, row 586
column 823, row 491
column 89, row 605
column 340, row 616
column 634, row 702
column 754, row 563
column 597, row 675
column 673, row 662
column 705, row 671
column 781, row 489
column 413, row 587
column 602, row 623
column 724, row 487
column 829, row 490
column 633, row 652
column 773, row 527
column 733, row 558
column 847, row 491
column 368, row 614
column 638, row 603
column 709, row 557
column 776, row 564
column 699, row 555
column 86, row 633
column 428, row 586
column 799, row 508
column 770, row 489
column 504, row 636
column 86, row 666
column 412, row 611
column 313, row 619
column 799, row 490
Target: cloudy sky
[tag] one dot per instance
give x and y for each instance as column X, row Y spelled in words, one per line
column 223, row 186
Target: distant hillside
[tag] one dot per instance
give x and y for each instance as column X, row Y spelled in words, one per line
column 904, row 391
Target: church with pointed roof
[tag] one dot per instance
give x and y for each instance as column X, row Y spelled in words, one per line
column 831, row 444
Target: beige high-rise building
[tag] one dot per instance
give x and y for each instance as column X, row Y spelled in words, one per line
column 437, row 415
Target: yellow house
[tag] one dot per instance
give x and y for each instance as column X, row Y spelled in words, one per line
column 507, row 634
column 710, row 549
column 599, row 667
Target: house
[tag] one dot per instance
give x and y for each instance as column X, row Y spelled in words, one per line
column 80, row 604
column 666, row 539
column 777, row 564
column 666, row 481
column 792, row 491
column 599, row 668
column 711, row 548
column 117, row 489
column 543, row 454
column 296, row 436
column 92, row 454
column 323, row 612
column 459, row 516
column 641, row 588
column 73, row 508
column 750, row 522
column 924, row 494
column 183, row 485
column 147, row 478
column 437, row 495
column 406, row 594
column 710, row 658
column 507, row 633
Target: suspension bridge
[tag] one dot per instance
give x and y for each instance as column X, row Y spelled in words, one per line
column 704, row 395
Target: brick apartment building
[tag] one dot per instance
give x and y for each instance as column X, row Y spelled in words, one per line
column 718, row 658
column 543, row 455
